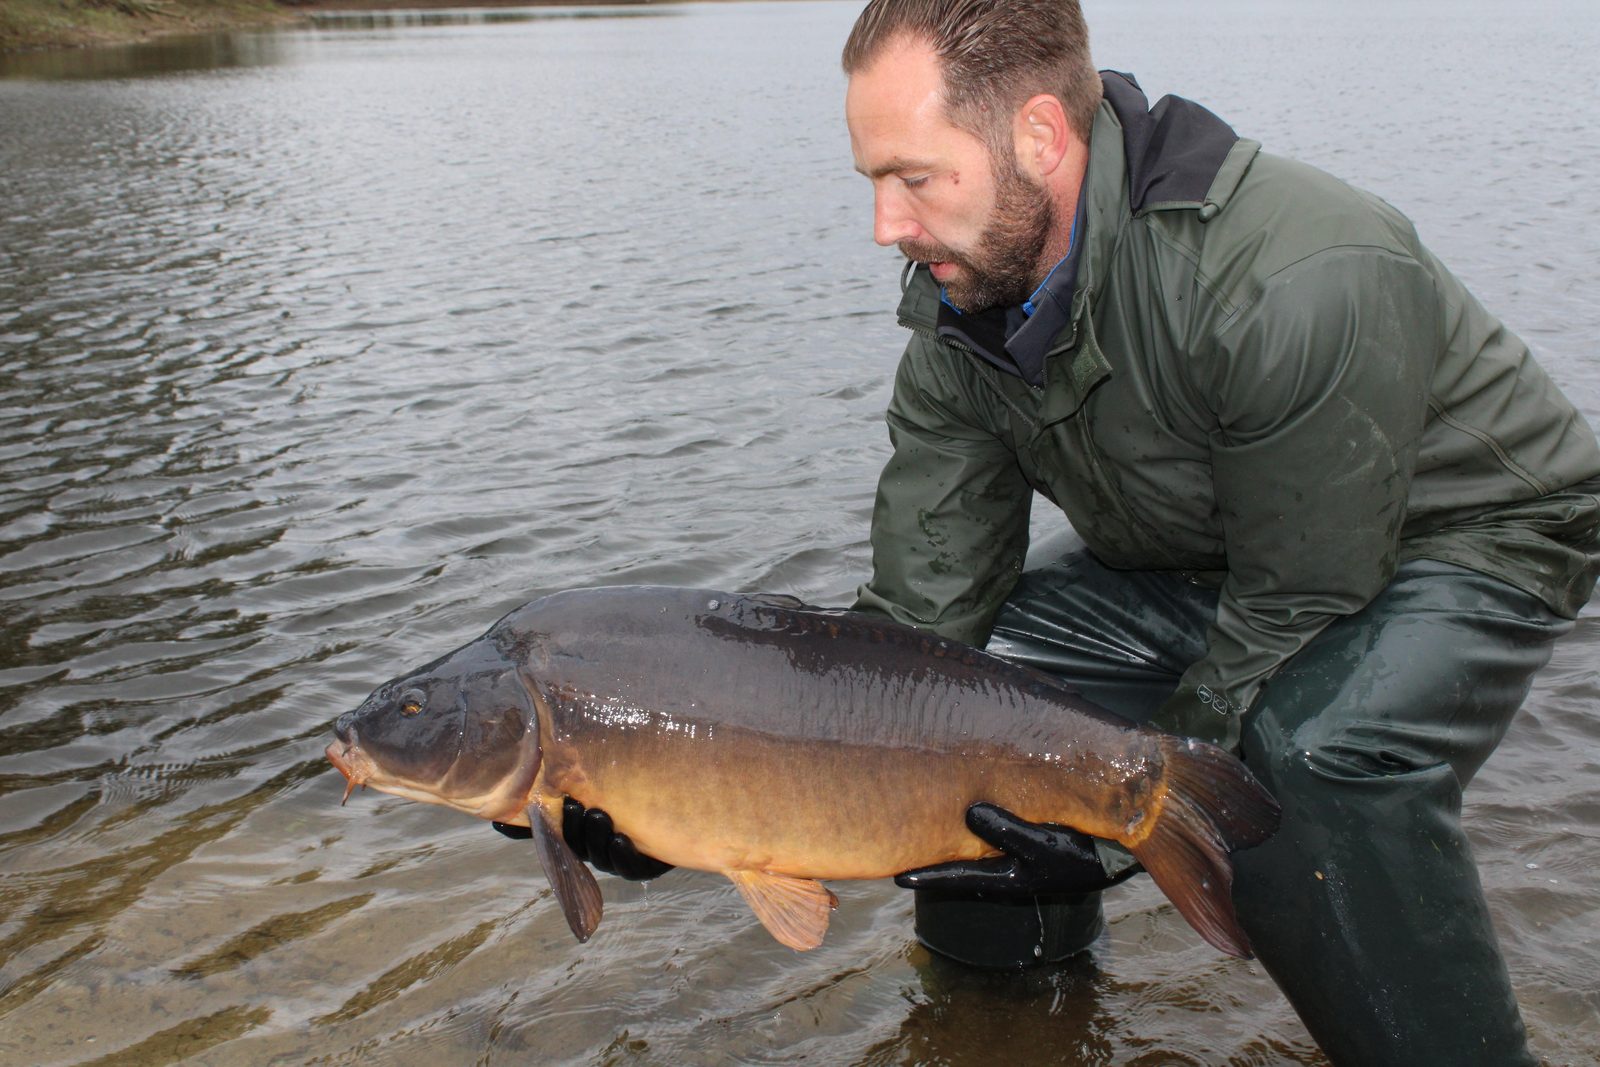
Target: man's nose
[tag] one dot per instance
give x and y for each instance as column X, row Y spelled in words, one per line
column 891, row 222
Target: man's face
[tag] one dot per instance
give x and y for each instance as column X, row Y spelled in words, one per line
column 976, row 219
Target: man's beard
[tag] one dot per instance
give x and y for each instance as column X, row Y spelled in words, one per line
column 1003, row 269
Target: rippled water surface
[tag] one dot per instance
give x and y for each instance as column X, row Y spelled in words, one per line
column 320, row 350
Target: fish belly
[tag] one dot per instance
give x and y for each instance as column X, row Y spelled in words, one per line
column 822, row 809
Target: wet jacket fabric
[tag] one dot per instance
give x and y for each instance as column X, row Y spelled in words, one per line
column 1259, row 377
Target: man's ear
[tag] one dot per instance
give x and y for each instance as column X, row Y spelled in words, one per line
column 1042, row 136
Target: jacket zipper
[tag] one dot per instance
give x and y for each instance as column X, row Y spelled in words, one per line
column 984, row 371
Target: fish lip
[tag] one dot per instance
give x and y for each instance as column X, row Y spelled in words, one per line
column 349, row 760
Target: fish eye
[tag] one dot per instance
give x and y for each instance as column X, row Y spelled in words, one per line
column 411, row 701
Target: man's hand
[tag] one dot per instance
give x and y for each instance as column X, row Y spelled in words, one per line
column 1040, row 859
column 589, row 833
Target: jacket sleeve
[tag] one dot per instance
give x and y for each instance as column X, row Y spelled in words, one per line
column 950, row 523
column 1320, row 390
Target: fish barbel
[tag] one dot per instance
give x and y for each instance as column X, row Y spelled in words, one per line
column 779, row 744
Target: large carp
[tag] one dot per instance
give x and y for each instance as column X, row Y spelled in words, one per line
column 779, row 744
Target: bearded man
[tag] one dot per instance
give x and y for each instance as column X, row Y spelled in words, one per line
column 1333, row 514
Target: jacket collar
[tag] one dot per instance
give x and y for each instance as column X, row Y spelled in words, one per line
column 1176, row 155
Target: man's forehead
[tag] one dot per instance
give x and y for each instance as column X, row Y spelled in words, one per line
column 903, row 77
column 894, row 107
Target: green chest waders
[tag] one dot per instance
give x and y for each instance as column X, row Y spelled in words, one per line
column 1365, row 906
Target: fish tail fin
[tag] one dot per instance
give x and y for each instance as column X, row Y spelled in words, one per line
column 1212, row 806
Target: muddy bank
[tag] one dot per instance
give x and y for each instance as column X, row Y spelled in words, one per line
column 34, row 24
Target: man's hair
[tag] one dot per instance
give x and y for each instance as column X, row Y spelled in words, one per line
column 994, row 55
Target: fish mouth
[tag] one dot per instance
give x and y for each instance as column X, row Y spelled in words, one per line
column 348, row 758
column 360, row 769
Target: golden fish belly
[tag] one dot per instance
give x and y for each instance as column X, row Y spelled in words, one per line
column 827, row 809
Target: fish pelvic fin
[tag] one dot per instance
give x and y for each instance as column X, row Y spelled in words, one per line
column 794, row 910
column 574, row 885
column 1212, row 806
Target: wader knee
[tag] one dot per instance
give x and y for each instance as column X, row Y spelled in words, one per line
column 1367, row 910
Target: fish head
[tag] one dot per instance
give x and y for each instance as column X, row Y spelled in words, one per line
column 460, row 731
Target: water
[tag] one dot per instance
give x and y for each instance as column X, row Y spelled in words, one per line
column 319, row 350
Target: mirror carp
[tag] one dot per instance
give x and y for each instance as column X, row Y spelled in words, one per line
column 780, row 744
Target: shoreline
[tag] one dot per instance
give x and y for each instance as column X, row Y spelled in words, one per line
column 51, row 25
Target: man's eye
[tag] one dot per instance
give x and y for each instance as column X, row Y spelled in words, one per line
column 912, row 183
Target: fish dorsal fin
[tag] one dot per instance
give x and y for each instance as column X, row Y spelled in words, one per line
column 778, row 600
column 575, row 888
column 794, row 910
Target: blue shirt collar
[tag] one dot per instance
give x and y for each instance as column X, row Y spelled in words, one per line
column 1017, row 339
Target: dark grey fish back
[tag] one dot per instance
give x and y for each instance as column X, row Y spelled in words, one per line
column 691, row 659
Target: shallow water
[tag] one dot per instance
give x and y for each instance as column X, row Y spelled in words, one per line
column 320, row 350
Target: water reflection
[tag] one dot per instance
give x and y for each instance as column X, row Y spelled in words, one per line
column 184, row 53
column 965, row 1016
column 384, row 19
column 161, row 56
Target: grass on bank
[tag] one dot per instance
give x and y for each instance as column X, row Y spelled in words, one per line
column 64, row 23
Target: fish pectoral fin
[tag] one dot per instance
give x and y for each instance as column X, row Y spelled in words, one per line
column 794, row 910
column 574, row 885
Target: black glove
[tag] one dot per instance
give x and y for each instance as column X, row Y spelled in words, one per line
column 589, row 833
column 1040, row 859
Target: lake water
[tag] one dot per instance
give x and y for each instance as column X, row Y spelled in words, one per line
column 321, row 349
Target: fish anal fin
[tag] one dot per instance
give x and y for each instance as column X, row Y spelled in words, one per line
column 794, row 910
column 574, row 885
column 1212, row 806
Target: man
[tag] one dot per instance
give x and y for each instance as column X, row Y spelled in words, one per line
column 1333, row 514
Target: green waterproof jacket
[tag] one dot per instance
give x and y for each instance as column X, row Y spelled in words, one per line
column 1261, row 379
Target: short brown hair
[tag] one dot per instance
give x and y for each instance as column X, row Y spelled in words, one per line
column 994, row 55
